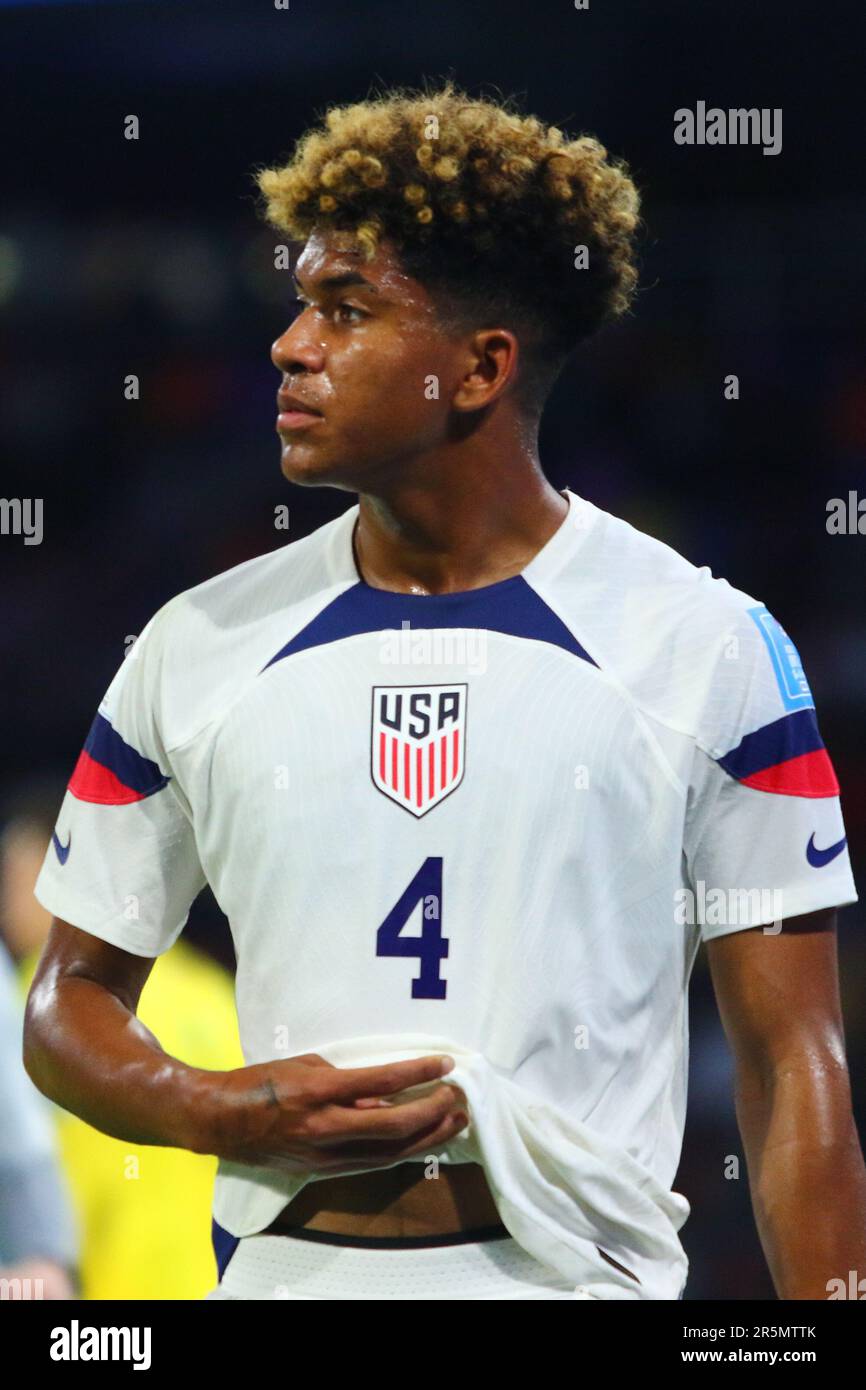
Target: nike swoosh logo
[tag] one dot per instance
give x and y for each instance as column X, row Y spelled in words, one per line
column 819, row 857
column 62, row 850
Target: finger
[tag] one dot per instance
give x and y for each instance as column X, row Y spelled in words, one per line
column 446, row 1131
column 371, row 1102
column 381, row 1125
column 349, row 1083
column 312, row 1059
column 337, row 1125
column 359, row 1155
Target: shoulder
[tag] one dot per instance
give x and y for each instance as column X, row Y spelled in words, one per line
column 256, row 589
column 689, row 647
column 202, row 645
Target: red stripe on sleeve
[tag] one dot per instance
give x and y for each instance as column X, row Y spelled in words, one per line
column 90, row 781
column 809, row 774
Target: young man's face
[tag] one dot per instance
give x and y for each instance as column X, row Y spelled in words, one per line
column 361, row 352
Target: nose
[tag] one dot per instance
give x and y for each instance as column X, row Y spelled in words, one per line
column 298, row 349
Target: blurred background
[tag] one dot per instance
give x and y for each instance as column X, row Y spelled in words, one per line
column 146, row 257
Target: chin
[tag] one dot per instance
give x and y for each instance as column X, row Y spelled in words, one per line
column 312, row 472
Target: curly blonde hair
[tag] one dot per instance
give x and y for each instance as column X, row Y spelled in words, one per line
column 485, row 206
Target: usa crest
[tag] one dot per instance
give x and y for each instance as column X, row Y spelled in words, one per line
column 418, row 751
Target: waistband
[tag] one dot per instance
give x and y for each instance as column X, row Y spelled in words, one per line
column 473, row 1237
column 282, row 1267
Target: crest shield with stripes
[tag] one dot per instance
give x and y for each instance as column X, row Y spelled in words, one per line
column 418, row 743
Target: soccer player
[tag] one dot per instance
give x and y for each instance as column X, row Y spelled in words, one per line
column 473, row 770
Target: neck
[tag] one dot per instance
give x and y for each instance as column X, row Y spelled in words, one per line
column 446, row 526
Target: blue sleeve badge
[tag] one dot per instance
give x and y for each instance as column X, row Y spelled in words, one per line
column 790, row 676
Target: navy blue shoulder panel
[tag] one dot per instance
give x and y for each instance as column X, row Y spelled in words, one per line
column 512, row 606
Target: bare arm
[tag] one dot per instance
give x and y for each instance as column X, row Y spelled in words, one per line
column 85, row 1048
column 778, row 998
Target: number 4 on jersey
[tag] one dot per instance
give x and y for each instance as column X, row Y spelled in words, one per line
column 430, row 947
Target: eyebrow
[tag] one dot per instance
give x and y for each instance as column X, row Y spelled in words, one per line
column 340, row 281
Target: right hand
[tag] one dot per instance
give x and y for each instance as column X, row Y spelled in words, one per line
column 305, row 1114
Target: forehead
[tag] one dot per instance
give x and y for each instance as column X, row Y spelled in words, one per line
column 326, row 254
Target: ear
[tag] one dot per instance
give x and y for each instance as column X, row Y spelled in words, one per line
column 493, row 357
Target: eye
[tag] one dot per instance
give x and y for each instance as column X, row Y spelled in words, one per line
column 344, row 312
column 350, row 309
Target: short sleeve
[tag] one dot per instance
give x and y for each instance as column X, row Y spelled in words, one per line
column 764, row 835
column 123, row 863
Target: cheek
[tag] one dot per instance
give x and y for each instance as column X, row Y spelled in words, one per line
column 395, row 391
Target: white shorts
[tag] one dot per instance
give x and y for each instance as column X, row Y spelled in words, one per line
column 285, row 1267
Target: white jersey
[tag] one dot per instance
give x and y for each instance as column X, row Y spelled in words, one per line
column 502, row 819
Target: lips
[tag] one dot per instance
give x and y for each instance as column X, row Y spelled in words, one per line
column 294, row 404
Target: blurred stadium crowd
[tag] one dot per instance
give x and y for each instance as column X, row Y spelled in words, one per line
column 118, row 270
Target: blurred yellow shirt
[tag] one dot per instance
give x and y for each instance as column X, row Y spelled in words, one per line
column 144, row 1213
